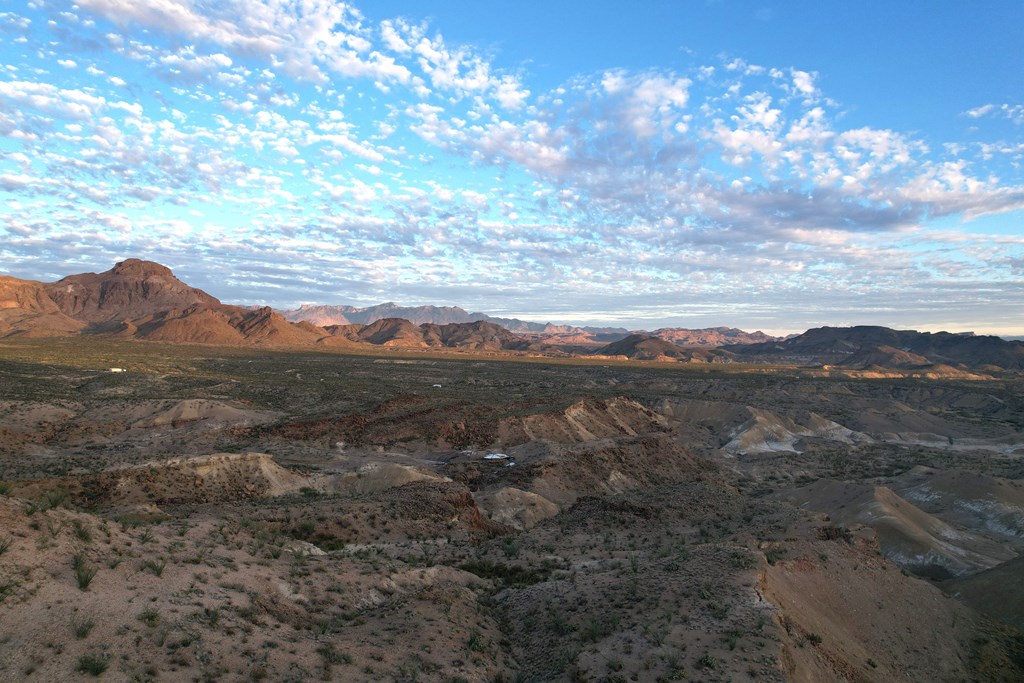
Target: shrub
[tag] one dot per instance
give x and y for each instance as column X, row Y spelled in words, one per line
column 82, row 531
column 332, row 656
column 7, row 587
column 154, row 566
column 81, row 628
column 149, row 616
column 93, row 664
column 84, row 572
column 708, row 661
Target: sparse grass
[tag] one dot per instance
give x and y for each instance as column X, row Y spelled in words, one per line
column 5, row 544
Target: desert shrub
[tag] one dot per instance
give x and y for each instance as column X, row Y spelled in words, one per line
column 82, row 531
column 149, row 616
column 84, row 572
column 332, row 656
column 5, row 543
column 47, row 501
column 93, row 664
column 81, row 628
column 708, row 661
column 154, row 566
column 475, row 642
column 509, row 575
column 7, row 587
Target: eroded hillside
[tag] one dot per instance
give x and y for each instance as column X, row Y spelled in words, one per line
column 238, row 515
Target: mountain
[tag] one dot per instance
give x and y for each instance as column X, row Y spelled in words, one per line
column 711, row 337
column 393, row 332
column 883, row 356
column 478, row 335
column 842, row 345
column 546, row 333
column 132, row 288
column 139, row 299
column 401, row 333
column 27, row 310
column 324, row 316
column 644, row 347
column 344, row 315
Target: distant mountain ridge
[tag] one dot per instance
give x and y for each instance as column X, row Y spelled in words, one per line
column 144, row 300
column 644, row 347
column 437, row 315
column 324, row 315
column 867, row 344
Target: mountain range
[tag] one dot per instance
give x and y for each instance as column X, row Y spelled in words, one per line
column 143, row 300
column 543, row 332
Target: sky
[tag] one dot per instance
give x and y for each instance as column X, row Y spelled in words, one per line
column 687, row 163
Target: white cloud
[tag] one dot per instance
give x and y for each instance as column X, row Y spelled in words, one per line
column 803, row 81
column 49, row 99
column 1011, row 112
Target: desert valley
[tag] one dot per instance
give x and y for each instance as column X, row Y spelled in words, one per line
column 197, row 491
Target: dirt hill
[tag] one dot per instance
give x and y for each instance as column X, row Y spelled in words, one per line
column 27, row 310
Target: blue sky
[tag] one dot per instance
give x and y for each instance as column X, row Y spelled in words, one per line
column 772, row 166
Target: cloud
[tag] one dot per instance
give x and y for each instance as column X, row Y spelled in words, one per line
column 1010, row 112
column 298, row 145
column 48, row 99
column 304, row 39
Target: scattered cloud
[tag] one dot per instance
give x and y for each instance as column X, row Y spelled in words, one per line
column 1011, row 112
column 317, row 155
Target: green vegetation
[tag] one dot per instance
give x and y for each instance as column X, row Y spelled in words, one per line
column 84, row 571
column 93, row 664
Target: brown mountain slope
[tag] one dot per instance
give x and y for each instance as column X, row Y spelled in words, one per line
column 195, row 324
column 26, row 310
column 884, row 356
column 480, row 336
column 392, row 332
column 997, row 592
column 642, row 347
column 834, row 345
column 131, row 289
column 264, row 326
column 711, row 337
column 225, row 325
